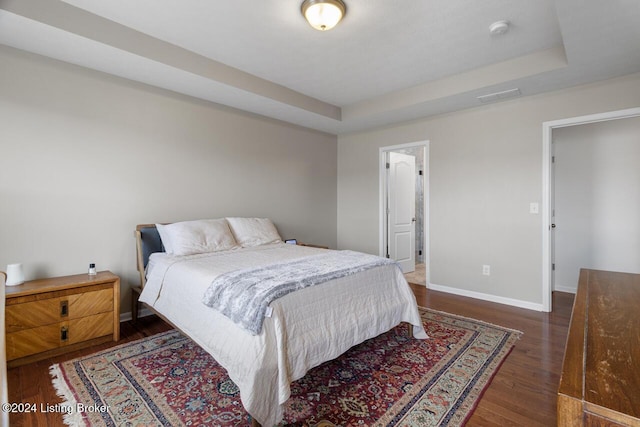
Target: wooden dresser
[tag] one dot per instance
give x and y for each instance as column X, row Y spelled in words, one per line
column 52, row 316
column 600, row 382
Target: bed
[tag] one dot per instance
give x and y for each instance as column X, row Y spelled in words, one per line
column 298, row 331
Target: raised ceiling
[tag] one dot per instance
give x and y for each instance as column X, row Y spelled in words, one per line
column 385, row 63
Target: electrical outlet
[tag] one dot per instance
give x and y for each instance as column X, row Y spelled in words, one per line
column 486, row 270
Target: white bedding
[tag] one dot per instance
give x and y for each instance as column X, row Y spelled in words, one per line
column 307, row 327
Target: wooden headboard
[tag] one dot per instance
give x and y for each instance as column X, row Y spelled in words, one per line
column 147, row 242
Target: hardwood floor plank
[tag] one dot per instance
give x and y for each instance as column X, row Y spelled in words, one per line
column 523, row 392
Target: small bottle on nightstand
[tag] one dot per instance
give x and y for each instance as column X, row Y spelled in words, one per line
column 92, row 269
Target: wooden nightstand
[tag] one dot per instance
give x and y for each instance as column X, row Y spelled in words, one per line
column 48, row 317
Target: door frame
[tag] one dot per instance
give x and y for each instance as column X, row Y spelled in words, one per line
column 382, row 177
column 547, row 183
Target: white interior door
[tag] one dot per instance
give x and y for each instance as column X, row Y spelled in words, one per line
column 401, row 210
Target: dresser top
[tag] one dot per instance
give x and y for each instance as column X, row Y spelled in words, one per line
column 57, row 283
column 603, row 346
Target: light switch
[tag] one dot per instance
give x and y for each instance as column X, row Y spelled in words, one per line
column 534, row 208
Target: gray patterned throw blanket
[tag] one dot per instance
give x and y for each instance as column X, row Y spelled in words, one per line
column 244, row 295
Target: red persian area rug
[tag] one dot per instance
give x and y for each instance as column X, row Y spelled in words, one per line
column 390, row 380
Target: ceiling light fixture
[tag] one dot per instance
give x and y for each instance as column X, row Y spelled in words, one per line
column 323, row 14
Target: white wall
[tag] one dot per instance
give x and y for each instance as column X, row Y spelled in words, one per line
column 597, row 199
column 485, row 169
column 85, row 157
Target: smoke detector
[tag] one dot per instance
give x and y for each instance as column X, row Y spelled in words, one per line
column 499, row 28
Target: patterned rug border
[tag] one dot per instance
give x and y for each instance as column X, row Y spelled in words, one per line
column 71, row 417
column 473, row 319
column 513, row 336
column 74, row 418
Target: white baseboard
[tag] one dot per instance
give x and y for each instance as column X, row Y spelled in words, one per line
column 143, row 312
column 487, row 297
column 568, row 289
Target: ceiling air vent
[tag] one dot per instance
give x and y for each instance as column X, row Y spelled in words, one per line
column 499, row 96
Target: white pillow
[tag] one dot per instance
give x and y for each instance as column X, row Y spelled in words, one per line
column 196, row 237
column 164, row 236
column 254, row 231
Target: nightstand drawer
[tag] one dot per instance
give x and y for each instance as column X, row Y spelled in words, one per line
column 90, row 303
column 32, row 314
column 36, row 340
column 53, row 310
column 89, row 327
column 32, row 341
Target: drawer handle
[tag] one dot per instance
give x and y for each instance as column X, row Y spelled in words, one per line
column 64, row 308
column 64, row 333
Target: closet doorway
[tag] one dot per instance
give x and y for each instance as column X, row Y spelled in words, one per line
column 549, row 226
column 403, row 208
column 596, row 200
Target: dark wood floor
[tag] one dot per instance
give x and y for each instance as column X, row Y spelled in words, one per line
column 523, row 393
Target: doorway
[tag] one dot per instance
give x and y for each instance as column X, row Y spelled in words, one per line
column 596, row 200
column 403, row 208
column 548, row 224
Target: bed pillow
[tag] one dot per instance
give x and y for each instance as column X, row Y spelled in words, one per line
column 164, row 237
column 196, row 237
column 254, row 231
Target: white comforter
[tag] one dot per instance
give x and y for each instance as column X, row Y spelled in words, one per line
column 307, row 327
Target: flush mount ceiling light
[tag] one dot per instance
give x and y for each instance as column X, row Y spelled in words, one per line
column 323, row 14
